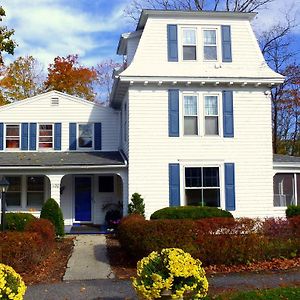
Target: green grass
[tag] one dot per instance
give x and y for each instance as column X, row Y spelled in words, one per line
column 287, row 293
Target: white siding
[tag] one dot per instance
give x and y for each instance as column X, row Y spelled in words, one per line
column 40, row 110
column 151, row 55
column 151, row 150
column 124, row 125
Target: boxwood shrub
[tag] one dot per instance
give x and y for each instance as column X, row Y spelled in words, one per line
column 190, row 212
column 292, row 211
column 17, row 221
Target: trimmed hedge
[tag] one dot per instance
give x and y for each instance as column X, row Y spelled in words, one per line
column 292, row 211
column 18, row 221
column 52, row 212
column 190, row 212
column 213, row 240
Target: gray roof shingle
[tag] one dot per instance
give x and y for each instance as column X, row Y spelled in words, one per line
column 47, row 159
column 286, row 158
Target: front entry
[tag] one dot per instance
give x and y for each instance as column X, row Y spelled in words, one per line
column 83, row 199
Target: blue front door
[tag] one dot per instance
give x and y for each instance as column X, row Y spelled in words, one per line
column 83, row 199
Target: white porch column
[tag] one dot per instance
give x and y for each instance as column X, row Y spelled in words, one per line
column 55, row 181
column 124, row 177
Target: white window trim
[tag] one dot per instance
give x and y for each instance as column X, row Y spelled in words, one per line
column 182, row 28
column 93, row 137
column 20, row 137
column 38, row 137
column 220, row 116
column 203, row 164
column 194, row 94
column 218, row 44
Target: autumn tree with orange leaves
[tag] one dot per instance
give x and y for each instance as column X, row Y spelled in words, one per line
column 67, row 75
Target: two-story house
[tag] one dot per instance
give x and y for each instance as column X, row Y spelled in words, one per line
column 189, row 123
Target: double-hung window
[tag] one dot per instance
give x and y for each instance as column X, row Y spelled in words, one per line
column 45, row 136
column 35, row 191
column 210, row 44
column 202, row 186
column 12, row 136
column 13, row 195
column 211, row 115
column 190, row 107
column 189, row 42
column 85, row 138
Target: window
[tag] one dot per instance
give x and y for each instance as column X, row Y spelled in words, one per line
column 106, row 184
column 202, row 186
column 45, row 136
column 189, row 48
column 284, row 187
column 85, row 139
column 13, row 195
column 12, row 136
column 211, row 115
column 190, row 115
column 35, row 191
column 210, row 44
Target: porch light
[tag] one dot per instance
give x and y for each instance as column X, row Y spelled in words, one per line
column 4, row 184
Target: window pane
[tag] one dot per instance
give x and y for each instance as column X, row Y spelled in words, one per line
column 12, row 143
column 189, row 37
column 13, row 195
column 45, row 136
column 211, row 126
column 193, row 197
column 211, row 197
column 85, row 136
column 190, row 125
column 211, row 177
column 190, row 105
column 12, row 130
column 193, row 177
column 211, row 105
column 14, row 183
column 283, row 186
column 35, row 199
column 106, row 184
column 46, row 127
column 209, row 37
column 13, row 199
column 189, row 52
column 210, row 52
column 35, row 183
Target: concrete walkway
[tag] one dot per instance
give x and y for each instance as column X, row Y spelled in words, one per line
column 89, row 259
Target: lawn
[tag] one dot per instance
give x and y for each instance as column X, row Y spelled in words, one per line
column 286, row 293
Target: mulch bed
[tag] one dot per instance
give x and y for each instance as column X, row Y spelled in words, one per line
column 53, row 268
column 124, row 266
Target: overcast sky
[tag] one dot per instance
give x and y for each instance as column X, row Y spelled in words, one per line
column 90, row 28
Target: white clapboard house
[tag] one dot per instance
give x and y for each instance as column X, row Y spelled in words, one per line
column 189, row 122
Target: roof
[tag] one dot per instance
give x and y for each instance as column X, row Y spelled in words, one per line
column 180, row 13
column 278, row 158
column 61, row 159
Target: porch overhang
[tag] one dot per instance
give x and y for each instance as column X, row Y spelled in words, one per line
column 286, row 162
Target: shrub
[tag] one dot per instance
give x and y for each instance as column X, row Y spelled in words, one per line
column 12, row 286
column 137, row 205
column 52, row 212
column 190, row 212
column 22, row 250
column 292, row 211
column 43, row 227
column 18, row 221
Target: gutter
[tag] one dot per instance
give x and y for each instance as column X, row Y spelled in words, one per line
column 63, row 167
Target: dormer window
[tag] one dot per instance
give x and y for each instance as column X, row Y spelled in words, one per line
column 210, row 44
column 12, row 136
column 189, row 42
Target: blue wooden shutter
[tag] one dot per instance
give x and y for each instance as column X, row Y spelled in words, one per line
column 72, row 136
column 228, row 122
column 174, row 185
column 172, row 42
column 24, row 136
column 32, row 136
column 1, row 136
column 229, row 186
column 57, row 136
column 226, row 43
column 173, row 112
column 97, row 136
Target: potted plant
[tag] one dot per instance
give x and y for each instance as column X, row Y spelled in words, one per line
column 170, row 274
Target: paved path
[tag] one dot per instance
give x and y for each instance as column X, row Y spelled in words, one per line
column 109, row 289
column 89, row 259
